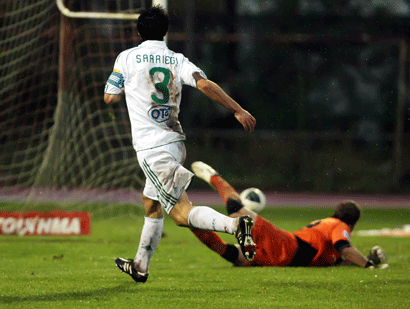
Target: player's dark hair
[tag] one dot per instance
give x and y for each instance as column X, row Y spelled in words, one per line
column 153, row 23
column 348, row 212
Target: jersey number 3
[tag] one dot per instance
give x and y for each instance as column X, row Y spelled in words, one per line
column 162, row 86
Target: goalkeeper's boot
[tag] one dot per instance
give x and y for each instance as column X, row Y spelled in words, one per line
column 127, row 266
column 203, row 171
column 244, row 237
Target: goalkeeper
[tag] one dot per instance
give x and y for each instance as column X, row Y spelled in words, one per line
column 324, row 242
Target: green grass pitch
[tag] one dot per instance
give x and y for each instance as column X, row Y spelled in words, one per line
column 79, row 272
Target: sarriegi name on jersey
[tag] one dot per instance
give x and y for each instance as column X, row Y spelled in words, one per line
column 160, row 113
column 156, row 59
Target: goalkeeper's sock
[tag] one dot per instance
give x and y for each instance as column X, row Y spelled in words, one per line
column 150, row 237
column 215, row 243
column 233, row 205
column 205, row 218
column 231, row 253
column 225, row 190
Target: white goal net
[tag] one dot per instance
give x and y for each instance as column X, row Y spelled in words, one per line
column 56, row 131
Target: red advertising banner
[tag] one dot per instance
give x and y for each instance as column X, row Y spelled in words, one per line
column 45, row 223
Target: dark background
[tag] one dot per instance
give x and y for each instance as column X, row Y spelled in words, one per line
column 326, row 80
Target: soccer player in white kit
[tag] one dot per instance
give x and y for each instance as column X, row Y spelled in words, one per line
column 151, row 76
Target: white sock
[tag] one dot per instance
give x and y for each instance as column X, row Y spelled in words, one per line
column 150, row 237
column 205, row 218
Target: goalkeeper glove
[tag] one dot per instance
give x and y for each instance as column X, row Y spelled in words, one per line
column 377, row 255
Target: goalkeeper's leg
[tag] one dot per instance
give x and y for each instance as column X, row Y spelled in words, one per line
column 215, row 243
column 228, row 194
column 207, row 173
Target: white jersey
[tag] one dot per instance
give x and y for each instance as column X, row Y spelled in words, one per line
column 152, row 76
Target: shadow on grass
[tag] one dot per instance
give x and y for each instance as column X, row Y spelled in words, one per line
column 92, row 294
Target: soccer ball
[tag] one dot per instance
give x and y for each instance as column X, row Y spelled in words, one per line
column 253, row 199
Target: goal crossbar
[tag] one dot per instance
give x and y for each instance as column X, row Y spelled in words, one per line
column 103, row 15
column 93, row 15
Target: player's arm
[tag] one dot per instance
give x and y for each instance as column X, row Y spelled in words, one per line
column 216, row 93
column 114, row 88
column 352, row 256
column 113, row 98
column 376, row 257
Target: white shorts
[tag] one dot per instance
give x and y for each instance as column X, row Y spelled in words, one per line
column 166, row 178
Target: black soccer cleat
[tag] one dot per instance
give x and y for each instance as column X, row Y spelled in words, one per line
column 127, row 266
column 244, row 237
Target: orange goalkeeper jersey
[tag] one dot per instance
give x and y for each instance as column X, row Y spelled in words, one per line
column 317, row 244
column 321, row 241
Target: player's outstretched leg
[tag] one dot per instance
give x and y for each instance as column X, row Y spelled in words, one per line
column 244, row 237
column 203, row 171
column 229, row 195
column 207, row 173
column 127, row 266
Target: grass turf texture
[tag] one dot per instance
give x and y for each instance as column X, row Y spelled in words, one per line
column 79, row 272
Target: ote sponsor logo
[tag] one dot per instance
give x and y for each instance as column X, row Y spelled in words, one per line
column 160, row 113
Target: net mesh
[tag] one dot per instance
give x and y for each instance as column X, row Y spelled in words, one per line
column 55, row 129
column 28, row 74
